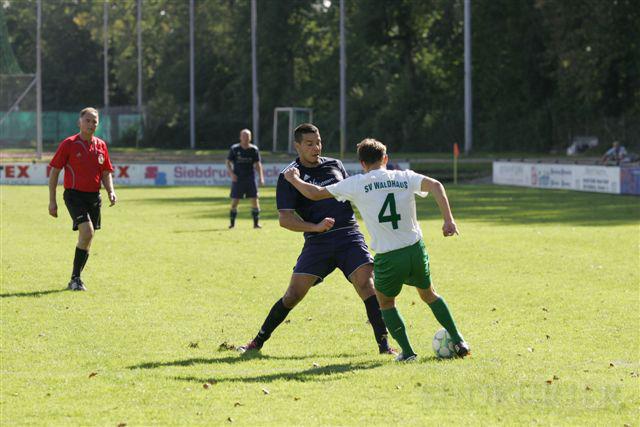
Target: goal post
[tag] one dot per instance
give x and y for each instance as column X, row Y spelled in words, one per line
column 293, row 117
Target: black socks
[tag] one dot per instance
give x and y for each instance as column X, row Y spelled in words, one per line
column 275, row 317
column 79, row 261
column 375, row 318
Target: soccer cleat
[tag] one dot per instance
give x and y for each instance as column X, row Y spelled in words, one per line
column 389, row 350
column 231, row 226
column 402, row 358
column 462, row 349
column 76, row 285
column 257, row 226
column 249, row 347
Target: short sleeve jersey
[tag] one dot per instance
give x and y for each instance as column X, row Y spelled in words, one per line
column 386, row 201
column 329, row 171
column 83, row 163
column 243, row 160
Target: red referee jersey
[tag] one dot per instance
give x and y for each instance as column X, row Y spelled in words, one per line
column 83, row 163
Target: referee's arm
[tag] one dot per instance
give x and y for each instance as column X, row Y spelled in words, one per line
column 53, row 183
column 107, row 181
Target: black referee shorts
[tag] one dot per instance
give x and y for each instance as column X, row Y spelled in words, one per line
column 83, row 207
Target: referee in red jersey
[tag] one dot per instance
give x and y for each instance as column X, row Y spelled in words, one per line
column 86, row 163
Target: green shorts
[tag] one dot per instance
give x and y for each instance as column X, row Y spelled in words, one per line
column 408, row 265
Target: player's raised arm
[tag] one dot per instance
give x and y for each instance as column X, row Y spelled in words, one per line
column 433, row 186
column 310, row 191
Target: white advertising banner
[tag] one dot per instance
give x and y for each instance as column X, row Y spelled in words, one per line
column 600, row 179
column 148, row 174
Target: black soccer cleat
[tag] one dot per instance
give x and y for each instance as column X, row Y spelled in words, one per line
column 257, row 226
column 462, row 349
column 251, row 346
column 75, row 284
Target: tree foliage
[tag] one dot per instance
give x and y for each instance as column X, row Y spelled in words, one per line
column 543, row 70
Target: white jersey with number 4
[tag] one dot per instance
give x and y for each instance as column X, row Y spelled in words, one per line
column 386, row 201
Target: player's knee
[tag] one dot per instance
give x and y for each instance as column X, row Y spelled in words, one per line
column 365, row 287
column 292, row 298
column 385, row 302
column 428, row 295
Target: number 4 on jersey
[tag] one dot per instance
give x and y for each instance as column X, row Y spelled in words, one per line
column 393, row 216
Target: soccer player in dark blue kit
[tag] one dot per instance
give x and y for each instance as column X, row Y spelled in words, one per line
column 243, row 158
column 332, row 240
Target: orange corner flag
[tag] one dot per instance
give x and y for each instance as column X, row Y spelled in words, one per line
column 456, row 150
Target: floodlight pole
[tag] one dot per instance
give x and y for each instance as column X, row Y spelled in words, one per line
column 192, row 95
column 468, row 116
column 38, row 82
column 343, row 78
column 139, row 42
column 254, row 74
column 105, row 66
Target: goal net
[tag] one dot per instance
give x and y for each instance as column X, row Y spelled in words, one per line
column 17, row 97
column 285, row 120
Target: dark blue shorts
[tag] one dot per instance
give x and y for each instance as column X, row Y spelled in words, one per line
column 244, row 188
column 345, row 249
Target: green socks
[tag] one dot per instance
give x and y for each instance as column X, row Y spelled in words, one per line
column 395, row 325
column 444, row 317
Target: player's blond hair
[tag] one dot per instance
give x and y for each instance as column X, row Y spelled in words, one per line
column 89, row 110
column 371, row 151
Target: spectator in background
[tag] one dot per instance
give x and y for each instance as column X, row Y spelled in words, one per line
column 617, row 153
column 243, row 158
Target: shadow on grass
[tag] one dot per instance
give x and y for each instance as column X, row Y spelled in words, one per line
column 208, row 230
column 239, row 358
column 311, row 374
column 33, row 294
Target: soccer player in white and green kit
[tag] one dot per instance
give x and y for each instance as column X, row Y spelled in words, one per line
column 386, row 201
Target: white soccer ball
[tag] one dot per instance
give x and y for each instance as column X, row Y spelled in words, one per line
column 442, row 345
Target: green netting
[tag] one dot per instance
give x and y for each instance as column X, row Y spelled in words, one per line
column 20, row 126
column 300, row 116
column 8, row 62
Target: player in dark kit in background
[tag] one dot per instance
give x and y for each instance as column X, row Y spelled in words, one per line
column 86, row 163
column 332, row 240
column 243, row 158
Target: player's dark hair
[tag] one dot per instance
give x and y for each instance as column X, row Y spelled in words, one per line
column 371, row 151
column 302, row 129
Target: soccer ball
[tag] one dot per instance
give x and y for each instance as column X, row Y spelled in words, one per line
column 442, row 345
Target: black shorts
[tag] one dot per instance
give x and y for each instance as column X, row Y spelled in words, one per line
column 244, row 188
column 344, row 249
column 83, row 207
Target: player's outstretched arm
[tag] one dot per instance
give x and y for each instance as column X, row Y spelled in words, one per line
column 309, row 191
column 433, row 186
column 291, row 221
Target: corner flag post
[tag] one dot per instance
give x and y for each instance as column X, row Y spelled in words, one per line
column 456, row 153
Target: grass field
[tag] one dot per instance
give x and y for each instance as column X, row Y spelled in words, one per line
column 544, row 285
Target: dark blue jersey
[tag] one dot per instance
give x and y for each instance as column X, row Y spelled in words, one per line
column 329, row 171
column 243, row 160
